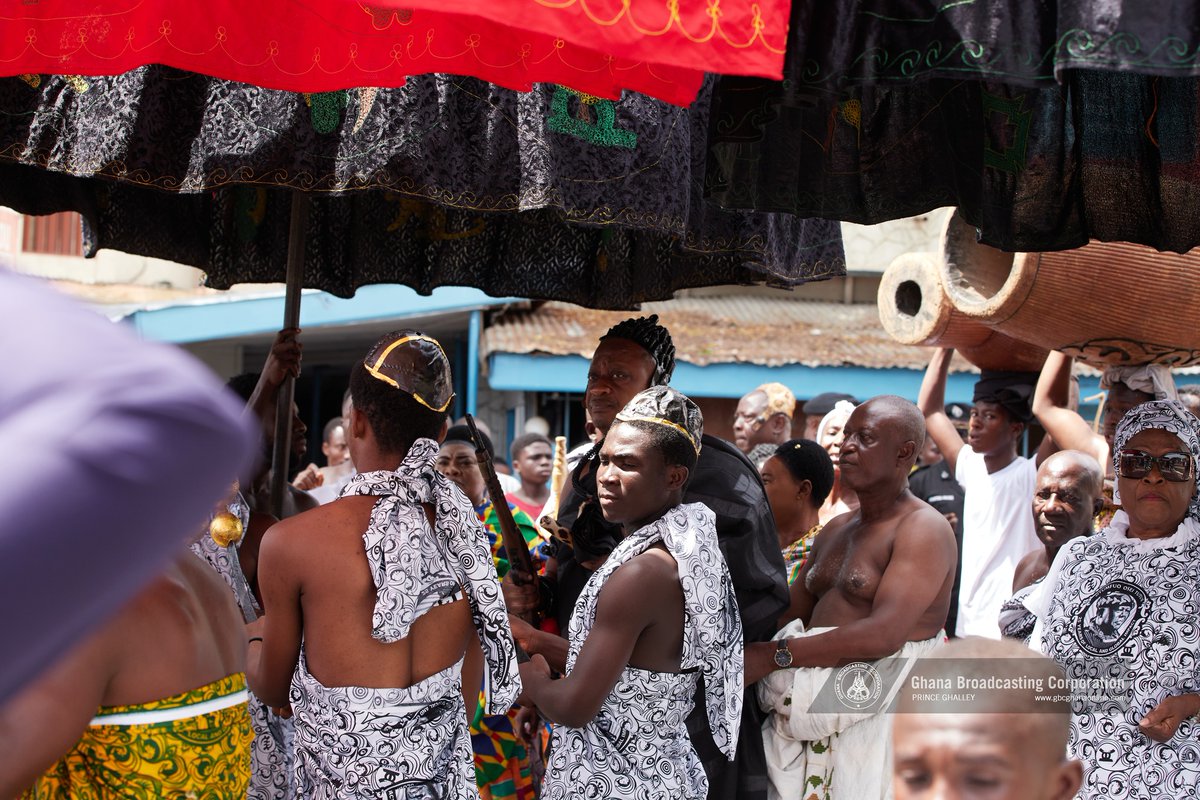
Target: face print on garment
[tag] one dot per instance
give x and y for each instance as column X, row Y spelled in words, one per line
column 1109, row 618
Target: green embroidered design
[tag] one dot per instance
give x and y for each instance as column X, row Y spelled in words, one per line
column 1012, row 157
column 325, row 110
column 602, row 131
column 249, row 210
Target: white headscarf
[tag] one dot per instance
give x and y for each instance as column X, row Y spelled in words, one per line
column 1152, row 379
column 1166, row 415
column 841, row 410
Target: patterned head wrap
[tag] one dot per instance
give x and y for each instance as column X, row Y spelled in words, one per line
column 1152, row 379
column 413, row 363
column 1165, row 415
column 663, row 405
column 651, row 337
column 780, row 399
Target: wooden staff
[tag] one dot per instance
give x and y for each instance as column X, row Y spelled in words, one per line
column 519, row 560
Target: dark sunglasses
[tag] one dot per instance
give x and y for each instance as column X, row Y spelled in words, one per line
column 1172, row 466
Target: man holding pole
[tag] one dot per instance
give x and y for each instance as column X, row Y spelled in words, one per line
column 502, row 768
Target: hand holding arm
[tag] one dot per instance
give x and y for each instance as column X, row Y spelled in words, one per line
column 623, row 612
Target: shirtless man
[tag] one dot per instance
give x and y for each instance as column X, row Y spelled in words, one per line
column 876, row 583
column 364, row 601
column 178, row 644
column 1000, row 745
column 1068, row 495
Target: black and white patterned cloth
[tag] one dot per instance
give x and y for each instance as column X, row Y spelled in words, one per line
column 637, row 746
column 271, row 752
column 412, row 742
column 1119, row 614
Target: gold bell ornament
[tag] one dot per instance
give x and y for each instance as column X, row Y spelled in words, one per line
column 225, row 529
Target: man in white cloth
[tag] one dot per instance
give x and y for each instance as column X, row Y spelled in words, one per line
column 876, row 584
column 366, row 618
column 657, row 617
column 1118, row 612
column 997, row 482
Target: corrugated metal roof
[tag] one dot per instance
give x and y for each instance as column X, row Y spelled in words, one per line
column 711, row 330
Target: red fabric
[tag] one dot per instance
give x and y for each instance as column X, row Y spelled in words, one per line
column 732, row 37
column 315, row 46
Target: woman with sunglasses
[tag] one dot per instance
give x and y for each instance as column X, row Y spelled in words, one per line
column 1119, row 612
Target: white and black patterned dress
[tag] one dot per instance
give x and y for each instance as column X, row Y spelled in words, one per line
column 1120, row 615
column 356, row 742
column 637, row 745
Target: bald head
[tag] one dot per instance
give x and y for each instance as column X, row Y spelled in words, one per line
column 1067, row 495
column 901, row 416
column 1004, row 726
column 1081, row 466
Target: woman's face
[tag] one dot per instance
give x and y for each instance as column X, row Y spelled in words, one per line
column 831, row 437
column 782, row 492
column 1152, row 502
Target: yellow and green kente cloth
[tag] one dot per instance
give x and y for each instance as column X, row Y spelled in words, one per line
column 194, row 745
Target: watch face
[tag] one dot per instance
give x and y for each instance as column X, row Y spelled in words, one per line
column 783, row 657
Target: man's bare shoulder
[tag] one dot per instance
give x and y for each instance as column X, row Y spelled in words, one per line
column 645, row 576
column 339, row 513
column 923, row 529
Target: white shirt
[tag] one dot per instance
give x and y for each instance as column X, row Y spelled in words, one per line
column 997, row 532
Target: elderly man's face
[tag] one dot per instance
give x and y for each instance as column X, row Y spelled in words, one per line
column 619, row 370
column 749, row 420
column 1064, row 501
column 1154, row 504
column 978, row 757
column 869, row 447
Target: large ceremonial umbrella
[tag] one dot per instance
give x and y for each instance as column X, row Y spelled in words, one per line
column 1047, row 122
column 597, row 47
column 446, row 180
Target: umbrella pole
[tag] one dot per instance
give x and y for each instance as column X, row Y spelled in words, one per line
column 297, row 233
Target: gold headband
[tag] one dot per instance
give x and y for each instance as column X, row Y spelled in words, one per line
column 661, row 421
column 374, row 369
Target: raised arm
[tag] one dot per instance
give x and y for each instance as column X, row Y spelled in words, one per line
column 1068, row 430
column 628, row 605
column 125, row 445
column 932, row 402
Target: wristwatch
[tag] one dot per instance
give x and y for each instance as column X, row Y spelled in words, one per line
column 783, row 656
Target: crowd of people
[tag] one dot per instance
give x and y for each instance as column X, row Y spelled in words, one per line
column 777, row 616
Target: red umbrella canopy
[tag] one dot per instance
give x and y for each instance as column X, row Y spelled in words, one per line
column 730, row 37
column 339, row 44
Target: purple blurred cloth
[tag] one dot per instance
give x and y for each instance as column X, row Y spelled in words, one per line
column 115, row 451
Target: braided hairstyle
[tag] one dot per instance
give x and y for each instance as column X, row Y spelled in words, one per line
column 651, row 337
